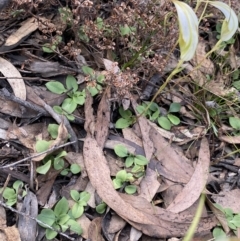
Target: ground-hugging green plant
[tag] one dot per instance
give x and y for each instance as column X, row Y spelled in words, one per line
column 121, row 180
column 59, row 218
column 152, row 111
column 101, row 208
column 136, row 162
column 10, row 195
column 235, row 124
column 75, row 97
column 81, row 200
column 233, row 221
column 57, row 159
column 127, row 118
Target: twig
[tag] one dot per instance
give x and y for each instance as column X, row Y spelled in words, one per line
column 39, row 154
column 5, row 93
column 36, row 220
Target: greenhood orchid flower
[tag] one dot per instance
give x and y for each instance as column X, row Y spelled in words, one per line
column 188, row 26
column 230, row 23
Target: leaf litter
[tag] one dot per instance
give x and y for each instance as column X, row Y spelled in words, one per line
column 179, row 159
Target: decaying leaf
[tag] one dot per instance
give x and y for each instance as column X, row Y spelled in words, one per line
column 94, row 230
column 145, row 128
column 193, row 189
column 28, row 26
column 10, row 71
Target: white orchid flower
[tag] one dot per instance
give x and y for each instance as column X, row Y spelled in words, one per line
column 188, row 26
column 230, row 23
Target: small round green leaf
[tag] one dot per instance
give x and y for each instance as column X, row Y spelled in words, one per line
column 58, row 163
column 77, row 210
column 140, row 160
column 69, row 105
column 88, row 71
column 174, row 107
column 85, row 196
column 56, row 87
column 101, row 208
column 46, row 216
column 44, row 168
column 123, row 123
column 129, row 161
column 93, row 90
column 9, row 193
column 53, row 130
column 50, row 234
column 120, row 150
column 117, row 183
column 58, row 109
column 219, row 234
column 130, row 189
column 64, row 172
column 61, row 207
column 234, row 122
column 126, row 114
column 75, row 195
column 164, row 123
column 174, row 119
column 122, row 175
column 42, row 145
column 71, row 83
column 75, row 168
column 74, row 226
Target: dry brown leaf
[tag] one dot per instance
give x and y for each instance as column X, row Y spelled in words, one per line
column 230, row 139
column 169, row 224
column 149, row 185
column 26, row 226
column 28, row 26
column 171, row 162
column 116, row 224
column 84, row 223
column 129, row 134
column 193, row 189
column 94, row 230
column 228, row 199
column 167, row 134
column 145, row 128
column 206, row 65
column 10, row 71
column 11, row 234
column 103, row 118
column 219, row 215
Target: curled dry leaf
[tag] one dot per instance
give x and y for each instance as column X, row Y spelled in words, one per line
column 103, row 118
column 9, row 71
column 193, row 189
column 26, row 226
